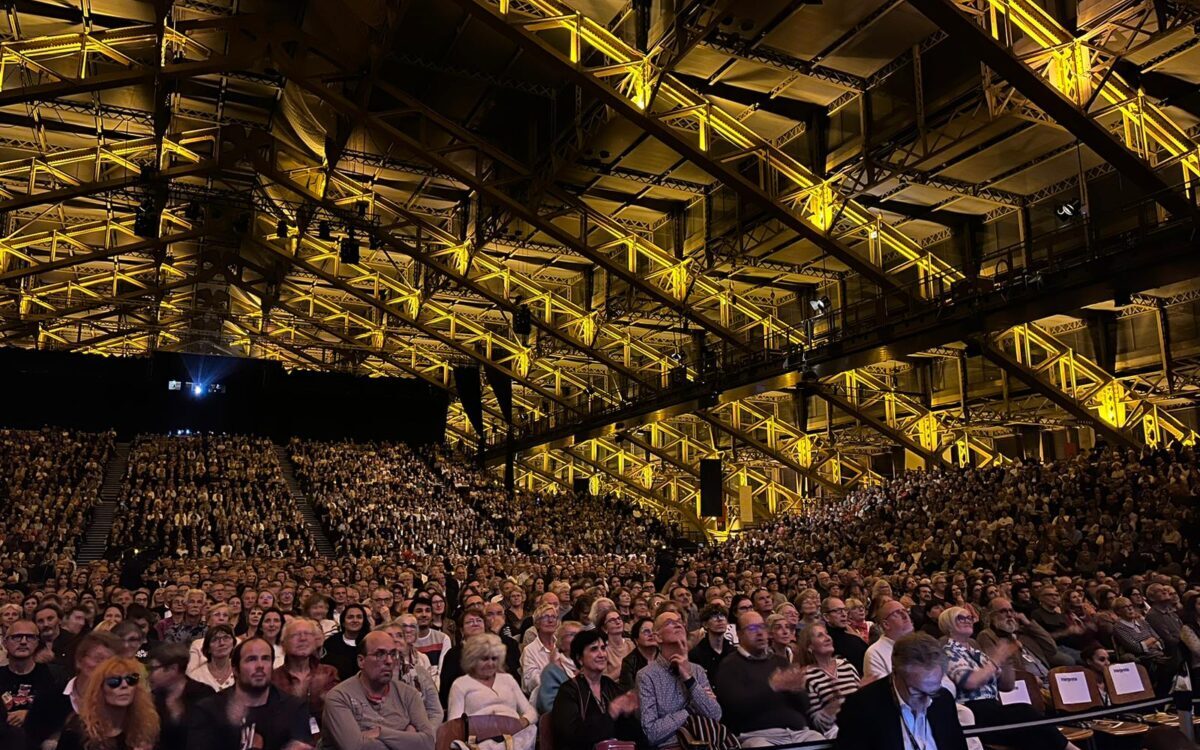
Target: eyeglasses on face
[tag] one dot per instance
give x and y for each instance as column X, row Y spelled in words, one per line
column 115, row 682
column 382, row 654
column 22, row 636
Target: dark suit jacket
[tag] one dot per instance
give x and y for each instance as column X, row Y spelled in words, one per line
column 870, row 720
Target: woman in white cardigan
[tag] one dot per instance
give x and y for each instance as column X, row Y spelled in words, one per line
column 485, row 689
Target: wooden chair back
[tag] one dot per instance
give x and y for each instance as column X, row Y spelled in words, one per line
column 453, row 729
column 1119, row 699
column 1080, row 679
column 1031, row 688
column 545, row 732
column 486, row 726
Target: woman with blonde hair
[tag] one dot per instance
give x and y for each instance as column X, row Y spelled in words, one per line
column 116, row 711
column 780, row 637
column 485, row 689
column 827, row 679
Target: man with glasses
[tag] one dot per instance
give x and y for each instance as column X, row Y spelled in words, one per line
column 1036, row 650
column 23, row 679
column 671, row 689
column 372, row 711
column 381, row 606
column 541, row 650
column 894, row 620
column 845, row 644
column 759, row 697
column 908, row 710
column 716, row 644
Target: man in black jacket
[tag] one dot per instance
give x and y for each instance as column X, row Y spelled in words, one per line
column 907, row 710
column 845, row 644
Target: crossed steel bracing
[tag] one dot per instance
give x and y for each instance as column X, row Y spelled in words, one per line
column 163, row 189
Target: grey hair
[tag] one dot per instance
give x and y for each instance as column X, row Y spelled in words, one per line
column 918, row 651
column 479, row 646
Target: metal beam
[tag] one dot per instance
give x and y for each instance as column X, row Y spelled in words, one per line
column 716, row 141
column 947, row 15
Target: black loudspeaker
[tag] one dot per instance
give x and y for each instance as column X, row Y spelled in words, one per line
column 522, row 321
column 710, row 487
column 580, row 485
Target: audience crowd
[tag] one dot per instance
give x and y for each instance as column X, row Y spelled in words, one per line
column 49, row 481
column 200, row 495
column 391, row 498
column 887, row 619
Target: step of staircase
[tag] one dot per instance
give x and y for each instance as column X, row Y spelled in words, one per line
column 95, row 539
column 324, row 547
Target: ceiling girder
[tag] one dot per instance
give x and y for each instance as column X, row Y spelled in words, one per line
column 715, row 141
column 1064, row 111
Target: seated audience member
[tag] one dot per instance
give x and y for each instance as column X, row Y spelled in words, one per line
column 1164, row 617
column 645, row 650
column 826, row 678
column 192, row 624
column 590, row 707
column 715, row 645
column 560, row 669
column 217, row 615
column 979, row 678
column 215, row 669
column 47, row 717
column 373, row 709
column 1189, row 632
column 412, row 668
column 1034, row 650
column 673, row 692
column 486, row 690
column 760, row 698
column 470, row 622
column 302, row 675
column 430, row 641
column 856, row 620
column 341, row 648
column 781, row 635
column 253, row 713
column 59, row 643
column 174, row 693
column 846, row 644
column 133, row 640
column 906, row 710
column 23, row 681
column 1066, row 629
column 493, row 619
column 1135, row 639
column 115, row 710
column 617, row 645
column 541, row 650
column 893, row 619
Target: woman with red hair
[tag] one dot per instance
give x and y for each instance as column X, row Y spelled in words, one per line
column 116, row 711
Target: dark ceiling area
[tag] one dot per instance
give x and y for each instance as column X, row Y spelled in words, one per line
column 821, row 241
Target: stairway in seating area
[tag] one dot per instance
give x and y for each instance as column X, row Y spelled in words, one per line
column 95, row 539
column 324, row 547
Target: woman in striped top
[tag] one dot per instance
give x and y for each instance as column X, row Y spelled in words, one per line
column 827, row 678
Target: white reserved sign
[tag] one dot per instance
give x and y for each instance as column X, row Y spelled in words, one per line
column 1125, row 679
column 1073, row 688
column 1019, row 694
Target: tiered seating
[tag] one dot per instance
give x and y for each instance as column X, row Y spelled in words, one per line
column 49, row 480
column 208, row 494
